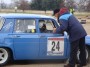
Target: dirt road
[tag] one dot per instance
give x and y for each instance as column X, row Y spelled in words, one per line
column 37, row 64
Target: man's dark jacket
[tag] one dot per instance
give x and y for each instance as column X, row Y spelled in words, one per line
column 73, row 27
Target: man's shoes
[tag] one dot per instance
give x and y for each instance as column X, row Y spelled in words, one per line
column 67, row 65
column 78, row 65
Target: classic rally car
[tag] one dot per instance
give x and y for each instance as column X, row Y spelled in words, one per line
column 30, row 37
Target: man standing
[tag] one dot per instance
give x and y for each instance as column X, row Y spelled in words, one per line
column 76, row 33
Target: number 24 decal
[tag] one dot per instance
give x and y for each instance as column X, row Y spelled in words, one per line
column 56, row 45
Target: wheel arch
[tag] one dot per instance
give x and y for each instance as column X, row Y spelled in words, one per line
column 88, row 46
column 10, row 50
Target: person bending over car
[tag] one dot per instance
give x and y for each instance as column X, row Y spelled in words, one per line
column 76, row 33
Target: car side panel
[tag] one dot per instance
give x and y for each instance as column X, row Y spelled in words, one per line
column 43, row 48
column 87, row 40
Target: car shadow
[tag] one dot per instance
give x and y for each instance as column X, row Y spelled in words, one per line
column 30, row 62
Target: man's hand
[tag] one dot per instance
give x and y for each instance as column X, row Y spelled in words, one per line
column 54, row 30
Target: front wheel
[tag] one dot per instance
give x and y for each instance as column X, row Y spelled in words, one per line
column 87, row 55
column 78, row 53
column 4, row 56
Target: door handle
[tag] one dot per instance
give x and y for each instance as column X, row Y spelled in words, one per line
column 42, row 36
column 16, row 36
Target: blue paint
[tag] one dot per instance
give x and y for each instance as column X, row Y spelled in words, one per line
column 27, row 46
column 87, row 40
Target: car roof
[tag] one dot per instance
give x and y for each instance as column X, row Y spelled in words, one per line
column 18, row 15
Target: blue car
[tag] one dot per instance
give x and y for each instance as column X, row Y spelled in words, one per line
column 30, row 37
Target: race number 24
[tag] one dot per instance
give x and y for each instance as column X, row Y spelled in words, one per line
column 55, row 46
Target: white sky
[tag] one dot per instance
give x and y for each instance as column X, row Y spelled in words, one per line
column 8, row 1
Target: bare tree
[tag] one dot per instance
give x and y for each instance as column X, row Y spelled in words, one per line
column 84, row 5
column 88, row 6
column 69, row 3
column 24, row 5
column 2, row 4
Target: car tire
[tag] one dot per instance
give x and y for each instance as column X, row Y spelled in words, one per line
column 4, row 56
column 87, row 55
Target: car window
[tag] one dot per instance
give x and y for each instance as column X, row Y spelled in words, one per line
column 25, row 26
column 46, row 26
column 1, row 22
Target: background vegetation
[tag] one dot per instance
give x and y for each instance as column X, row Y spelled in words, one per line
column 78, row 5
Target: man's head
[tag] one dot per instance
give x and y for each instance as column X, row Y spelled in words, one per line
column 63, row 11
column 59, row 12
column 56, row 12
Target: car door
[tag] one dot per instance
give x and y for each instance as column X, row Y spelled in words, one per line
column 52, row 46
column 26, row 39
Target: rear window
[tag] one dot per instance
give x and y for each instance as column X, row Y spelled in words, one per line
column 1, row 22
column 25, row 26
